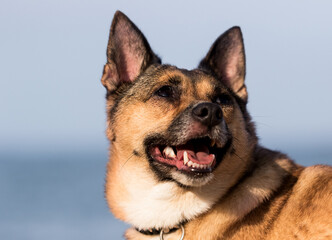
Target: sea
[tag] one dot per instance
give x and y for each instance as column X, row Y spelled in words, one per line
column 61, row 195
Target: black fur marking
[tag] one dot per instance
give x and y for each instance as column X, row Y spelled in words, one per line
column 117, row 95
column 136, row 153
column 155, row 231
column 176, row 128
column 242, row 104
column 257, row 214
column 113, row 110
column 175, row 80
column 250, row 128
column 232, row 151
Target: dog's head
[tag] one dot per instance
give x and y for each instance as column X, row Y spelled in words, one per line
column 170, row 124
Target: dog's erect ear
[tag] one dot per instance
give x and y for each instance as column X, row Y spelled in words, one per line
column 226, row 59
column 128, row 53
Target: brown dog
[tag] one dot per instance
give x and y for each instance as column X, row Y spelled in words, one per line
column 184, row 157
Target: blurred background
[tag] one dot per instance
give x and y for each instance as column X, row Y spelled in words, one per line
column 53, row 149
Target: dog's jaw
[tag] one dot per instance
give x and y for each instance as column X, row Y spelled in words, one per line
column 184, row 180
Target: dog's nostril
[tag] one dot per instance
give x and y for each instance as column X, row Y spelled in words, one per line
column 201, row 111
column 204, row 112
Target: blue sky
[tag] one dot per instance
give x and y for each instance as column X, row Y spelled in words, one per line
column 52, row 54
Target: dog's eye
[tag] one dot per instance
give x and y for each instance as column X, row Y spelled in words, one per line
column 223, row 99
column 165, row 92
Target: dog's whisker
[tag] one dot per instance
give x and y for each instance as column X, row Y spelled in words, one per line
column 236, row 140
column 126, row 161
column 239, row 157
column 264, row 124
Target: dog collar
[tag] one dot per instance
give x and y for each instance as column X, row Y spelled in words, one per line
column 161, row 232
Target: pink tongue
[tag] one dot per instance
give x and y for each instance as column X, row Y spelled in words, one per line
column 199, row 153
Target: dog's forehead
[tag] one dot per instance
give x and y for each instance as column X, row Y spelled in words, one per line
column 196, row 80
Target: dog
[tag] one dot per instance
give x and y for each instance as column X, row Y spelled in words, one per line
column 185, row 162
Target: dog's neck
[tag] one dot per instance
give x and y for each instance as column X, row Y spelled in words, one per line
column 165, row 205
column 147, row 203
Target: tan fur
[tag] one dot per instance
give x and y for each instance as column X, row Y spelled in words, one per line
column 300, row 212
column 254, row 193
column 227, row 218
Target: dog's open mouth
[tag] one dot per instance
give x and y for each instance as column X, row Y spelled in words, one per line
column 197, row 155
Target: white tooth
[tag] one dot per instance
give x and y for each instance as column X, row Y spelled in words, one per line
column 190, row 163
column 168, row 152
column 210, row 164
column 196, row 165
column 185, row 158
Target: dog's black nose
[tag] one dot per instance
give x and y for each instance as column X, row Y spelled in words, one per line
column 209, row 114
